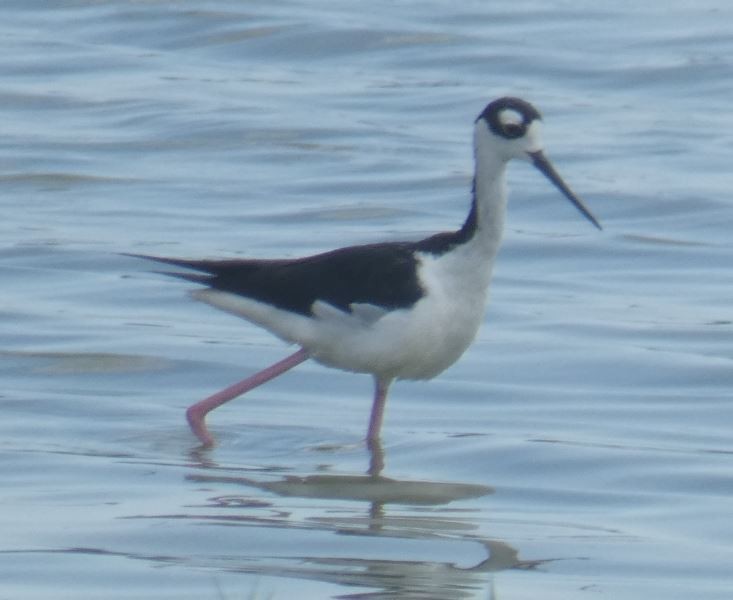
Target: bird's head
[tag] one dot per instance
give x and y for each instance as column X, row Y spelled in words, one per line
column 510, row 128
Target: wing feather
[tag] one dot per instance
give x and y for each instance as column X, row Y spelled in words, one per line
column 383, row 276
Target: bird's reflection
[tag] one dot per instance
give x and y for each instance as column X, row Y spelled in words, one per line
column 374, row 488
column 429, row 526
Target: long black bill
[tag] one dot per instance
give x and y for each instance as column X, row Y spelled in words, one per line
column 540, row 161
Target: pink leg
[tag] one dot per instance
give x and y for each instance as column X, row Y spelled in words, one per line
column 376, row 457
column 380, row 398
column 196, row 414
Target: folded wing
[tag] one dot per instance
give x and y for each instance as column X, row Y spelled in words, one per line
column 377, row 275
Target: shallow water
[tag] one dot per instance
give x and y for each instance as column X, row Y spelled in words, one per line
column 580, row 449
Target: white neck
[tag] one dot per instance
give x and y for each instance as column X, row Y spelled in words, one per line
column 490, row 193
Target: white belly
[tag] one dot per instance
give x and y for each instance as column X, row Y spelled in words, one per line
column 418, row 343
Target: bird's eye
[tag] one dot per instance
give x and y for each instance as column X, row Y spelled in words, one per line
column 513, row 130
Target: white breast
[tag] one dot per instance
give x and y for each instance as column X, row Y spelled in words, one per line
column 415, row 343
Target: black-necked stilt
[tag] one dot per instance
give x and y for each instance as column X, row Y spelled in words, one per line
column 396, row 310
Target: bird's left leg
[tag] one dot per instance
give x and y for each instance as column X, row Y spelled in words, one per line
column 196, row 414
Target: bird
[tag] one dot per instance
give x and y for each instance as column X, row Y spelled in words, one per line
column 396, row 310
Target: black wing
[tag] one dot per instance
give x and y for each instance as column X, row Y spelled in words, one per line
column 384, row 275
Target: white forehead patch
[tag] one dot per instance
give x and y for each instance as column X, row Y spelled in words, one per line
column 509, row 116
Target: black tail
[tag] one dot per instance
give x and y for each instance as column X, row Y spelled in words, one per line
column 203, row 266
